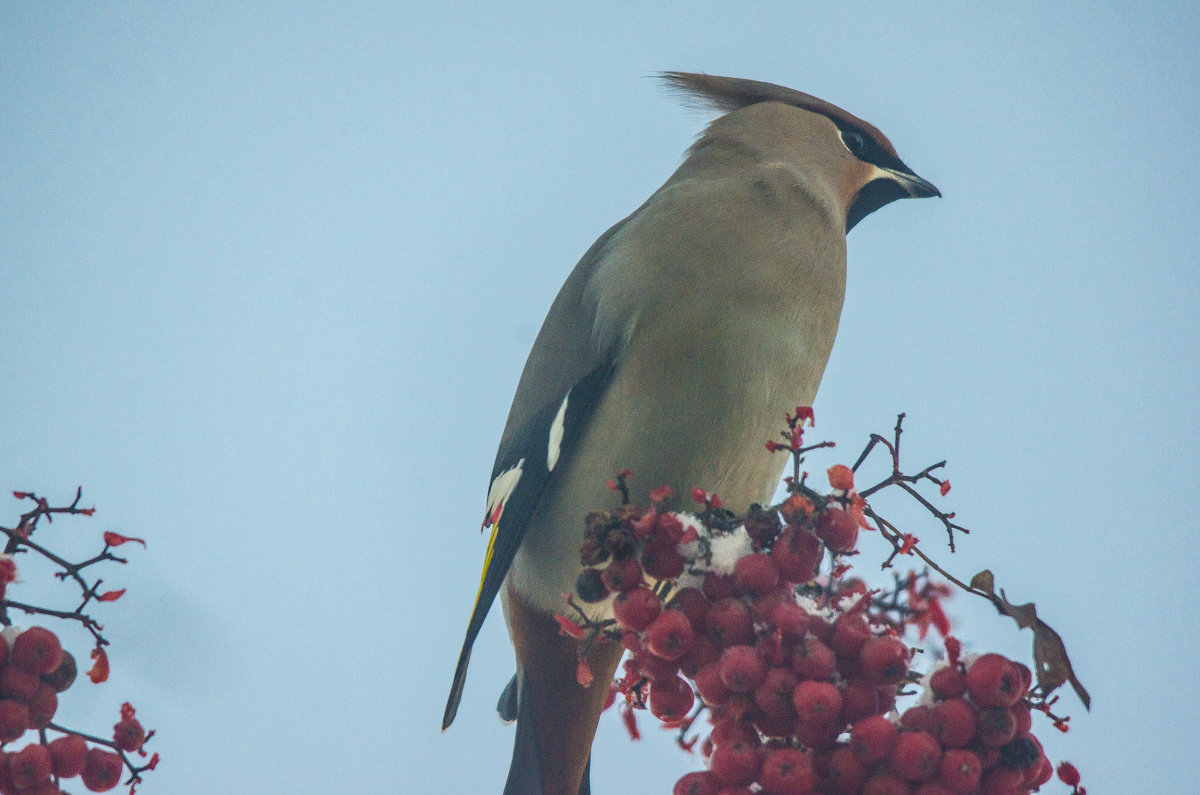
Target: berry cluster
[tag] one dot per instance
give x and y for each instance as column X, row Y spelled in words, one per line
column 34, row 669
column 799, row 674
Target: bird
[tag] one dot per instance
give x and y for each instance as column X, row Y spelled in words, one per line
column 676, row 344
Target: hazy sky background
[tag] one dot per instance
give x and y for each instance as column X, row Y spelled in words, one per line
column 269, row 273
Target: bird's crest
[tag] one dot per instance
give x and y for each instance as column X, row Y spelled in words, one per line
column 730, row 93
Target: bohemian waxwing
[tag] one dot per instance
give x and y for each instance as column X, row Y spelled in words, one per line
column 674, row 348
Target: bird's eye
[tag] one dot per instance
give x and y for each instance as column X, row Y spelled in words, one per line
column 853, row 142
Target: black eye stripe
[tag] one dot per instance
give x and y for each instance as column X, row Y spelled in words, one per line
column 868, row 150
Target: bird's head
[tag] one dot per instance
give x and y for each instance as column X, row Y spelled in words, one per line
column 857, row 163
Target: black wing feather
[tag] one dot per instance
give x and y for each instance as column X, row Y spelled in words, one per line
column 531, row 443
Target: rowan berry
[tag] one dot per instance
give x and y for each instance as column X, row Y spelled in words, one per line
column 622, row 575
column 29, row 766
column 669, row 635
column 952, row 722
column 797, row 553
column 735, row 763
column 755, row 574
column 101, row 770
column 993, row 681
column 959, row 770
column 915, row 756
column 636, row 608
column 67, row 755
column 742, row 669
column 729, row 624
column 871, row 739
column 816, row 703
column 774, row 695
column 670, row 699
column 787, row 771
column 884, row 660
column 37, row 651
column 837, row 528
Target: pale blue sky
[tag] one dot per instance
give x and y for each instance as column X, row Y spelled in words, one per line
column 269, row 273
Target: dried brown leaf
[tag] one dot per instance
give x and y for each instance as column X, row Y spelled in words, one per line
column 1052, row 665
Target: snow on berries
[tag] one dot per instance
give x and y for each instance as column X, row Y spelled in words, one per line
column 798, row 672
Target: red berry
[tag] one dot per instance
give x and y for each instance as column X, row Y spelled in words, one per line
column 129, row 735
column 1024, row 719
column 959, row 771
column 993, row 681
column 791, row 620
column 915, row 756
column 67, row 755
column 698, row 783
column 989, row 756
column 64, row 675
column 735, row 763
column 860, row 699
column 1039, row 774
column 729, row 624
column 884, row 783
column 37, row 651
column 787, row 771
column 702, row 652
column 636, row 608
column 1022, row 753
column 871, row 739
column 933, row 788
column 763, row 606
column 29, row 766
column 652, row 666
column 1068, row 774
column 692, row 603
column 728, row 730
column 755, row 574
column 952, row 722
column 995, row 726
column 797, row 553
column 661, row 558
column 742, row 669
column 18, row 684
column 775, row 725
column 101, row 770
column 948, row 682
column 14, row 720
column 774, row 695
column 820, row 627
column 884, row 660
column 670, row 699
column 621, row 575
column 42, row 706
column 719, row 586
column 670, row 635
column 812, row 659
column 1000, row 780
column 1025, row 674
column 846, row 772
column 817, row 736
column 850, row 632
column 837, row 528
column 816, row 703
column 590, row 587
column 887, row 697
column 915, row 717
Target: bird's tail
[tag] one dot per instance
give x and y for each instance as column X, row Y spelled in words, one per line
column 556, row 716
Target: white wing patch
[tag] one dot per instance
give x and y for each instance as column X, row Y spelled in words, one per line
column 554, row 447
column 501, row 489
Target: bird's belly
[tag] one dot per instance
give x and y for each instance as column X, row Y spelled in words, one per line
column 698, row 420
